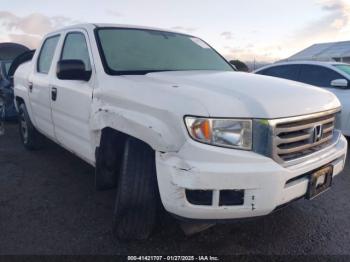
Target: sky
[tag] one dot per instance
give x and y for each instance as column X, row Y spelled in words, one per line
column 261, row 30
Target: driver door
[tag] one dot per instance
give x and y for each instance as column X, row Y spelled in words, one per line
column 71, row 99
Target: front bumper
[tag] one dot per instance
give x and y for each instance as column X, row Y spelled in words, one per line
column 266, row 184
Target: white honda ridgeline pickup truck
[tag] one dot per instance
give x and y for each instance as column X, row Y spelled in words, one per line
column 163, row 117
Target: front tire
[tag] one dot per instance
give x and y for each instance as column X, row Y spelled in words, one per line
column 108, row 159
column 137, row 198
column 29, row 135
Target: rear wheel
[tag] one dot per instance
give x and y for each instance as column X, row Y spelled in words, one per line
column 29, row 135
column 137, row 198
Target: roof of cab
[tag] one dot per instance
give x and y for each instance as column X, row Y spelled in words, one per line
column 91, row 26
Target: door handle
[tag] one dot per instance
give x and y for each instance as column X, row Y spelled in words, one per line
column 54, row 94
column 30, row 86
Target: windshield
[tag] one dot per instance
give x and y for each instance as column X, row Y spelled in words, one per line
column 139, row 51
column 344, row 68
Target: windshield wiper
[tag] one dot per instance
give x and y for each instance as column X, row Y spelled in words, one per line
column 140, row 72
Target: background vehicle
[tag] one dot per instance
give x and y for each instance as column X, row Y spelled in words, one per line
column 162, row 115
column 333, row 76
column 8, row 53
column 239, row 65
column 6, row 92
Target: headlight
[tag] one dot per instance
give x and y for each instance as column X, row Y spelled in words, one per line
column 233, row 133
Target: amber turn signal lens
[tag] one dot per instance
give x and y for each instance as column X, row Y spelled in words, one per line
column 206, row 129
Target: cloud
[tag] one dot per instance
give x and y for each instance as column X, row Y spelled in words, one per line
column 26, row 40
column 330, row 27
column 184, row 29
column 227, row 35
column 333, row 26
column 250, row 53
column 114, row 13
column 29, row 30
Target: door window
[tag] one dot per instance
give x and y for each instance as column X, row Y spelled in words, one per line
column 75, row 47
column 318, row 75
column 290, row 72
column 345, row 68
column 46, row 54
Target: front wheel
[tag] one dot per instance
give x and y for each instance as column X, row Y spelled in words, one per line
column 137, row 198
column 29, row 135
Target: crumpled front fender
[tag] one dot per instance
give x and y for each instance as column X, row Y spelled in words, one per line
column 161, row 129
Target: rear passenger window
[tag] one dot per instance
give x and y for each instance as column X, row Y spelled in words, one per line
column 318, row 75
column 75, row 47
column 46, row 54
column 290, row 72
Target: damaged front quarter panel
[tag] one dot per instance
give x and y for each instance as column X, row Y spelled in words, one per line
column 160, row 129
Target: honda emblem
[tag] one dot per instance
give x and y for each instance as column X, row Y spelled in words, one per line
column 317, row 133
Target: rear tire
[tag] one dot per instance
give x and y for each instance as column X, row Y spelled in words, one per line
column 29, row 135
column 137, row 198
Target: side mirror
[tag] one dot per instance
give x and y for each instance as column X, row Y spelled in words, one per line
column 342, row 83
column 72, row 70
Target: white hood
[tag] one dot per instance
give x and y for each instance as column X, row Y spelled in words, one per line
column 233, row 94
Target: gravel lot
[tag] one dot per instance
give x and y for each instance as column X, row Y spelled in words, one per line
column 48, row 205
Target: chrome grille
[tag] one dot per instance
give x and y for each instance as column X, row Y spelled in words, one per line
column 296, row 137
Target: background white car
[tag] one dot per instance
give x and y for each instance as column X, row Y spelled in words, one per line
column 332, row 76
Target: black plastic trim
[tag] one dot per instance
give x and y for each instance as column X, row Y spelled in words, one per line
column 199, row 197
column 231, row 197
